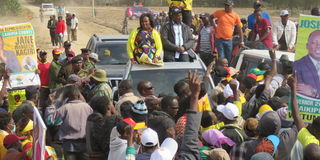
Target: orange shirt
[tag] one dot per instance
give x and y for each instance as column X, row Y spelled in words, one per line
column 226, row 23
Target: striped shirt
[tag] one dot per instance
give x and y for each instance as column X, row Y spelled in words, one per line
column 205, row 44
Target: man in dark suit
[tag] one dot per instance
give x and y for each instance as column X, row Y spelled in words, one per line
column 308, row 68
column 176, row 38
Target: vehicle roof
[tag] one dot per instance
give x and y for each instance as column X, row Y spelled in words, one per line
column 112, row 37
column 265, row 54
column 168, row 65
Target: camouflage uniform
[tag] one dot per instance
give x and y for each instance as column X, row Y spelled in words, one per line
column 102, row 89
column 88, row 65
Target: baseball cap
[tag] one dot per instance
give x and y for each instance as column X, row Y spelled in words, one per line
column 269, row 124
column 56, row 51
column 204, row 15
column 85, row 50
column 275, row 141
column 149, row 138
column 94, row 56
column 217, row 153
column 284, row 12
column 229, row 2
column 10, row 140
column 230, row 111
column 175, row 10
column 257, row 3
column 76, row 59
column 167, row 150
column 263, row 109
column 261, row 156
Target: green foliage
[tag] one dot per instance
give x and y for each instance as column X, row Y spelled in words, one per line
column 9, row 7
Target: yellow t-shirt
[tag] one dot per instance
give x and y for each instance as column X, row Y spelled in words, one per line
column 215, row 126
column 204, row 104
column 305, row 137
column 3, row 150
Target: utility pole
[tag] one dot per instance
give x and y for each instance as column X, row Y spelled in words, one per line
column 93, row 10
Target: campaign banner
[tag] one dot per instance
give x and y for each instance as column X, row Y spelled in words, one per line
column 39, row 136
column 307, row 68
column 18, row 54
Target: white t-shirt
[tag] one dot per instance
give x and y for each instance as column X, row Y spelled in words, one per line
column 74, row 22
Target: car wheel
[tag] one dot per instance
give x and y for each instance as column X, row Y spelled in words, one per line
column 134, row 17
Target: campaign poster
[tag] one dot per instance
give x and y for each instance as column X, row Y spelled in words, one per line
column 307, row 68
column 18, row 54
column 39, row 136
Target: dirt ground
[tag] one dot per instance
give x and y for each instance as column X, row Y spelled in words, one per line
column 108, row 21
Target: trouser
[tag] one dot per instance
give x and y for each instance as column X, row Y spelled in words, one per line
column 69, row 32
column 206, row 57
column 187, row 17
column 60, row 39
column 224, row 48
column 74, row 155
column 74, row 149
column 183, row 58
column 43, row 99
column 74, row 34
column 53, row 37
column 259, row 45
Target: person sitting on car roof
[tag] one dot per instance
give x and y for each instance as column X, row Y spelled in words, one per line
column 144, row 45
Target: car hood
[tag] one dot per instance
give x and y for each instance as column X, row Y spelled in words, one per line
column 113, row 70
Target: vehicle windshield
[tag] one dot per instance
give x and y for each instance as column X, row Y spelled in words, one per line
column 112, row 53
column 47, row 6
column 162, row 80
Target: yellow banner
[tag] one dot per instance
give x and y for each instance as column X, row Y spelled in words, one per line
column 18, row 53
column 17, row 47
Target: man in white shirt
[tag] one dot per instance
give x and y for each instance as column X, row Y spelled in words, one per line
column 284, row 33
column 74, row 27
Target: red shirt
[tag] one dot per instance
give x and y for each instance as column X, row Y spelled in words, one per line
column 44, row 73
column 60, row 27
column 260, row 28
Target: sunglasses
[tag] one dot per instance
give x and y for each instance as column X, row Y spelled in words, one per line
column 150, row 88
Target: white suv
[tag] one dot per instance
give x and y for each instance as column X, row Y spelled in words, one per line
column 48, row 9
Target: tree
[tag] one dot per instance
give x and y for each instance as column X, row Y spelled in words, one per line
column 9, row 7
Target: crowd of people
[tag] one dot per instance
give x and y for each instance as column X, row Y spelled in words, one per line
column 221, row 34
column 243, row 118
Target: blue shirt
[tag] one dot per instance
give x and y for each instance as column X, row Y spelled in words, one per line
column 252, row 20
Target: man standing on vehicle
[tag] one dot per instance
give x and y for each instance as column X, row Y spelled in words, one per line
column 263, row 29
column 52, row 28
column 176, row 38
column 227, row 21
column 284, row 33
column 205, row 45
column 74, row 27
column 186, row 7
column 251, row 18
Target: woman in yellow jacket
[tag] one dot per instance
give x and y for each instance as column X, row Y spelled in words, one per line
column 144, row 45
